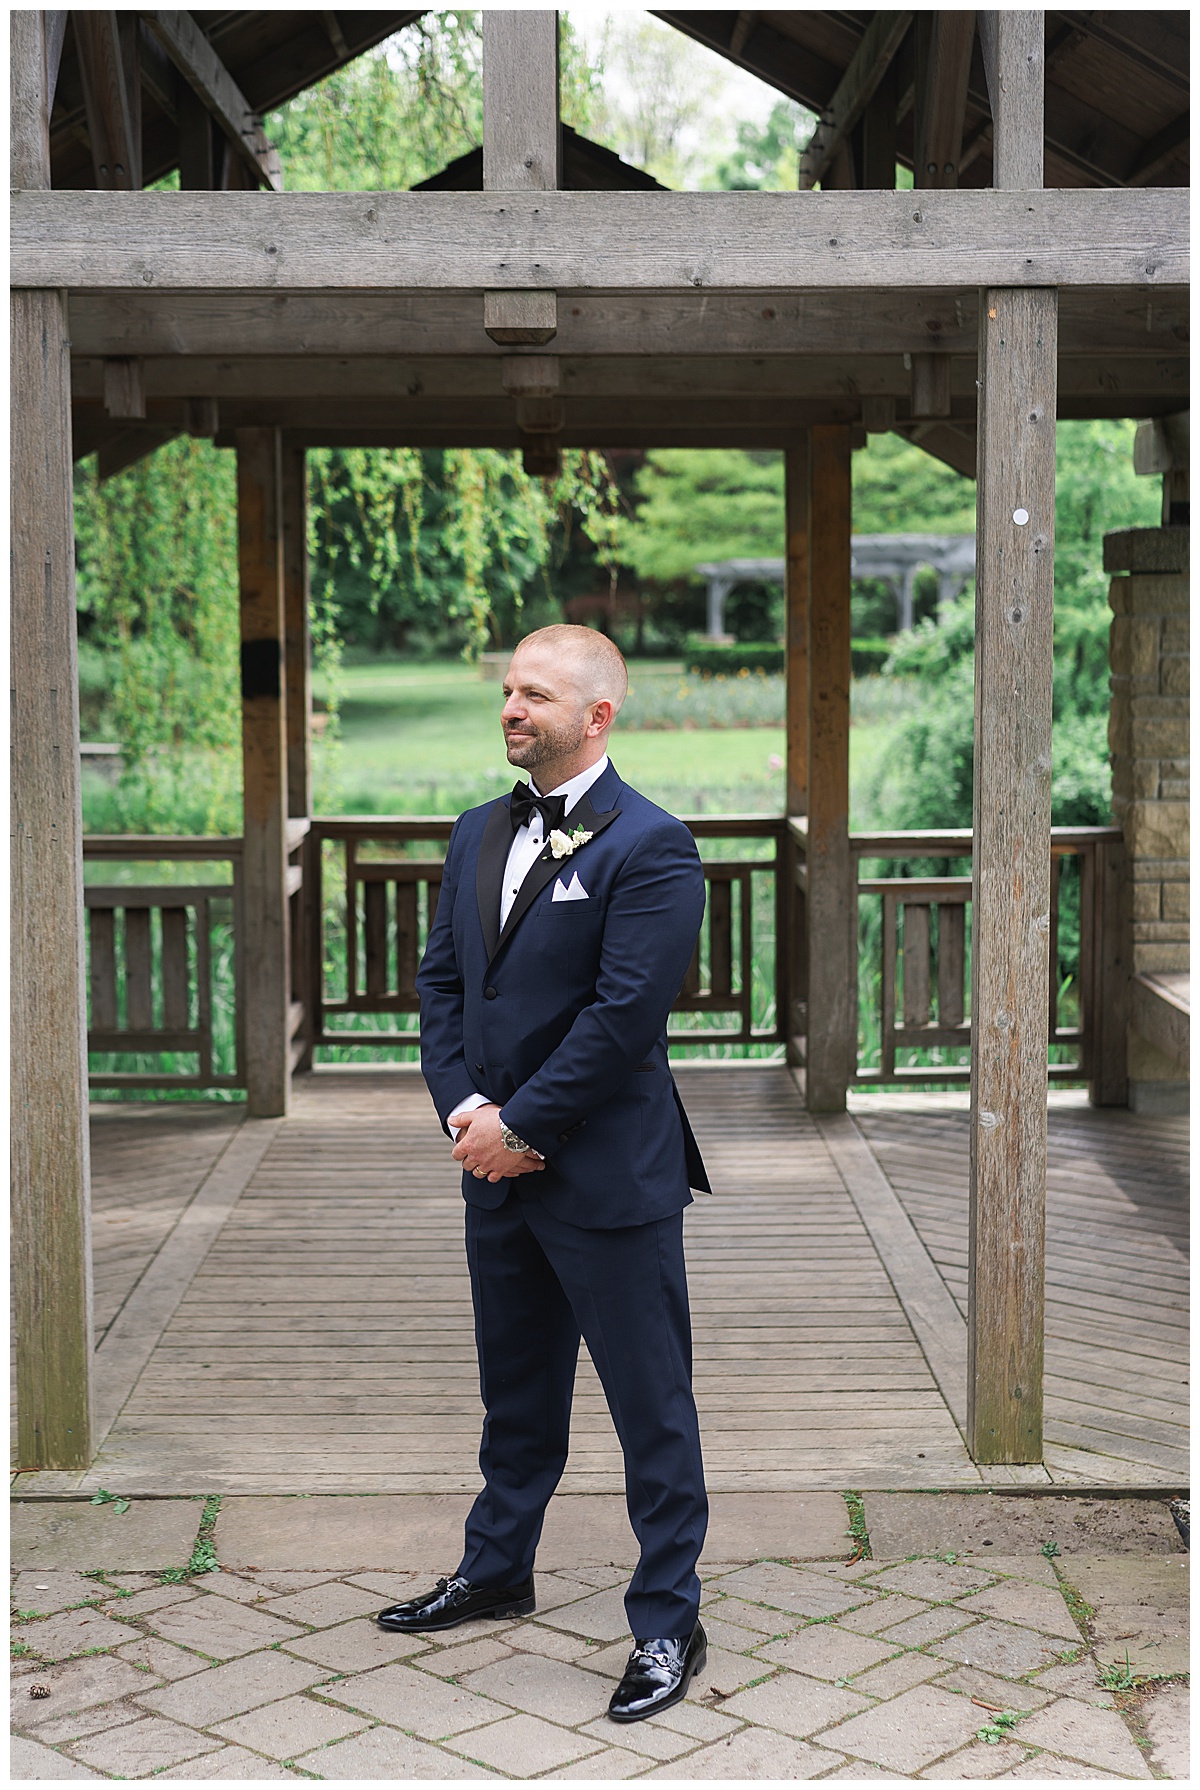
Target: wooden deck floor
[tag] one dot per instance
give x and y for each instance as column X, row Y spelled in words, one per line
column 324, row 1341
column 1116, row 1271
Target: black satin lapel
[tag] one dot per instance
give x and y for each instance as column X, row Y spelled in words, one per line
column 489, row 872
column 548, row 866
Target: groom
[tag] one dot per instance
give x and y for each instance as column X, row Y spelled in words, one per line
column 566, row 922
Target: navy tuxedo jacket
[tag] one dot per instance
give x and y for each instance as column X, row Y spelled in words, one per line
column 561, row 1018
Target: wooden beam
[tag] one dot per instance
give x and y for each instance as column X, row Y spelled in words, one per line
column 197, row 143
column 1161, row 151
column 116, row 157
column 349, row 326
column 878, row 169
column 945, row 44
column 264, row 915
column 125, row 386
column 414, row 380
column 624, row 241
column 125, row 448
column 796, row 596
column 1014, row 48
column 871, row 62
column 521, row 150
column 51, row 1221
column 831, row 905
column 953, row 445
column 218, row 92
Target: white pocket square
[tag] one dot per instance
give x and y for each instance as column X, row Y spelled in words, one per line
column 572, row 891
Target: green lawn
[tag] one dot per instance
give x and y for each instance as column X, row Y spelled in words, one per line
column 426, row 739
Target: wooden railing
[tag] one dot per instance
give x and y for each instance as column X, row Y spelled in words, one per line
column 922, row 947
column 366, row 892
column 150, row 986
column 370, row 902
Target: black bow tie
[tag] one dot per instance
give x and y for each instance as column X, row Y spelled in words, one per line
column 525, row 804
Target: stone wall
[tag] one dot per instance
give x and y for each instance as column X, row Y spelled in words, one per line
column 1148, row 738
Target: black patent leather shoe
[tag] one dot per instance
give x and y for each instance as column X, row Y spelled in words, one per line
column 457, row 1600
column 658, row 1675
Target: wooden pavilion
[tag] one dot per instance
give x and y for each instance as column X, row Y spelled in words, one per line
column 543, row 295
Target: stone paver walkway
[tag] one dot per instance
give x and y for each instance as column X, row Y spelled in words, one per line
column 845, row 1669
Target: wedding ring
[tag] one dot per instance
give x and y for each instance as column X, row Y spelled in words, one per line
column 478, row 1173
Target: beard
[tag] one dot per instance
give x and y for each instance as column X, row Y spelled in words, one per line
column 531, row 748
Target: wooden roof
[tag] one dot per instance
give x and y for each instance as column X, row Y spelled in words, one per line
column 1117, row 87
column 271, row 55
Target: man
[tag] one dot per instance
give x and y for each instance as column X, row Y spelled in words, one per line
column 567, row 918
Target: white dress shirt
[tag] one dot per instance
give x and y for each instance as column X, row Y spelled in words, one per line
column 523, row 854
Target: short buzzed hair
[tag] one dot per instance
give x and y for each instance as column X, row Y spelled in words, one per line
column 603, row 676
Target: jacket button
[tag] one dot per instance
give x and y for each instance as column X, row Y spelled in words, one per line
column 489, row 994
column 479, row 1067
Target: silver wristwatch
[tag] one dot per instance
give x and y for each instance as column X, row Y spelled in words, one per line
column 512, row 1142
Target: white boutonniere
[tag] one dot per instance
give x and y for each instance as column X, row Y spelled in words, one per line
column 563, row 844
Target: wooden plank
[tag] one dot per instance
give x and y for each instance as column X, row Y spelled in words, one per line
column 131, row 1338
column 264, row 915
column 174, row 968
column 952, row 942
column 108, row 101
column 870, row 63
column 720, row 923
column 407, row 940
column 51, row 1243
column 197, row 61
column 139, row 1016
column 1011, row 895
column 916, row 963
column 831, row 903
column 375, row 936
column 1014, row 54
column 102, row 968
column 337, row 242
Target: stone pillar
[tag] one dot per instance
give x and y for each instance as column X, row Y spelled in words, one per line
column 1148, row 737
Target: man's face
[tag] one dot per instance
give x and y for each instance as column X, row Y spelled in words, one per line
column 544, row 717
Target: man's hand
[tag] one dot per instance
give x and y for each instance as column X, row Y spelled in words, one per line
column 480, row 1147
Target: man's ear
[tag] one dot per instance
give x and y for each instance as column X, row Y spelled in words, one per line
column 603, row 715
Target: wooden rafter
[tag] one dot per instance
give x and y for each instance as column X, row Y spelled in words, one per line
column 946, row 40
column 855, row 91
column 109, row 103
column 205, row 73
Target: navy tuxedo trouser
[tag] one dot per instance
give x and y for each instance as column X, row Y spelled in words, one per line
column 538, row 1284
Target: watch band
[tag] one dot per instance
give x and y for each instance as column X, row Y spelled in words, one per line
column 511, row 1141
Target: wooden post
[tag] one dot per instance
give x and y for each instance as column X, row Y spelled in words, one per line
column 796, row 499
column 51, row 1237
column 832, row 1046
column 1014, row 642
column 298, row 717
column 521, row 148
column 265, row 945
column 297, row 671
column 790, row 934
